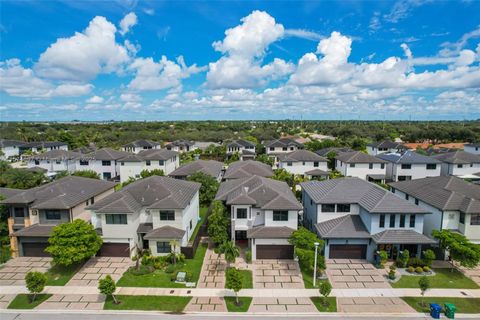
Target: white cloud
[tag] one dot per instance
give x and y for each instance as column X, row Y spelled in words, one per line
column 149, row 11
column 406, row 51
column 130, row 97
column 304, row 34
column 95, row 99
column 127, row 23
column 402, row 9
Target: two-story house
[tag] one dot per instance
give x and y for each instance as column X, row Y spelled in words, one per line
column 43, row 146
column 281, row 146
column 248, row 168
column 357, row 218
column 246, row 149
column 103, row 161
column 453, row 202
column 459, row 163
column 263, row 212
column 304, row 163
column 385, row 146
column 9, row 148
column 361, row 165
column 410, row 165
column 34, row 212
column 147, row 214
column 132, row 165
column 140, row 145
column 55, row 161
column 472, row 148
column 209, row 167
column 181, row 146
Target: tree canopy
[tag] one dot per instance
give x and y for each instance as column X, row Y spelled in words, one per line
column 460, row 249
column 209, row 187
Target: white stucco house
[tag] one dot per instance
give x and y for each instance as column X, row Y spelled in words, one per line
column 246, row 149
column 43, row 146
column 54, row 161
column 410, row 165
column 9, row 148
column 131, row 166
column 303, row 162
column 281, row 146
column 181, row 146
column 361, row 165
column 472, row 148
column 209, row 167
column 103, row 161
column 140, row 145
column 385, row 146
column 460, row 164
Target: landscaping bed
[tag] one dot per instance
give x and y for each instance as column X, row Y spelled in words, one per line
column 22, row 301
column 464, row 305
column 202, row 213
column 243, row 307
column 247, row 279
column 148, row 303
column 443, row 278
column 330, row 307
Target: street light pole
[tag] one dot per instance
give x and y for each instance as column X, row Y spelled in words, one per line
column 315, row 266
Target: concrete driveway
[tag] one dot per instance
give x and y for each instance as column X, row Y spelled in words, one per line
column 379, row 305
column 97, row 268
column 13, row 271
column 213, row 270
column 282, row 305
column 354, row 274
column 206, row 304
column 277, row 274
column 73, row 302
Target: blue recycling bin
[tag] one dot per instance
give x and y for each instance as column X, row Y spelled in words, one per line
column 435, row 310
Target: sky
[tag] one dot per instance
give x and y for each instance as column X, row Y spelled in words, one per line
column 239, row 60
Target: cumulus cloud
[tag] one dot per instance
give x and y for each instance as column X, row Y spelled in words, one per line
column 127, row 23
column 95, row 99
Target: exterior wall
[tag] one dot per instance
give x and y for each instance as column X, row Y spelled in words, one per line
column 231, row 150
column 9, row 152
column 309, row 212
column 472, row 232
column 471, row 149
column 64, row 217
column 417, row 171
column 375, row 218
column 291, row 223
column 152, row 244
column 373, row 151
column 96, row 165
column 120, row 233
column 324, row 216
column 361, row 170
column 53, row 166
column 300, row 167
column 278, row 150
column 133, row 169
column 183, row 148
column 79, row 212
column 467, row 169
column 255, row 242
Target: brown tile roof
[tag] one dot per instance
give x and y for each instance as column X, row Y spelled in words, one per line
column 269, row 232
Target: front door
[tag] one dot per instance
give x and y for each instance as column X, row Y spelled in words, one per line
column 107, row 175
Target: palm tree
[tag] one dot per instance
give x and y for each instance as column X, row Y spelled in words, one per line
column 140, row 254
column 174, row 244
column 230, row 251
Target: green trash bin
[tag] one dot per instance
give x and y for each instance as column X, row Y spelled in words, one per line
column 450, row 310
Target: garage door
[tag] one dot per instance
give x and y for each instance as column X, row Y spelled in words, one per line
column 348, row 251
column 35, row 249
column 114, row 250
column 274, row 252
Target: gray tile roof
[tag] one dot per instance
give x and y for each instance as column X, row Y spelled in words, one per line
column 9, row 192
column 408, row 157
column 387, row 144
column 444, row 193
column 269, row 232
column 35, row 230
column 407, row 236
column 145, row 227
column 370, row 196
column 458, row 157
column 57, row 155
column 64, row 193
column 180, row 143
column 349, row 226
column 242, row 169
column 358, row 157
column 240, row 143
column 210, row 167
column 150, row 154
column 260, row 192
column 106, row 154
column 10, row 143
column 154, row 192
column 43, row 144
column 142, row 143
column 301, row 155
column 283, row 142
column 165, row 232
column 325, row 151
column 317, row 173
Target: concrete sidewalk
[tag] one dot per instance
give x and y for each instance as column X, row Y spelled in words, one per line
column 212, row 292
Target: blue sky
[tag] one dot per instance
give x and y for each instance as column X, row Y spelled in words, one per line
column 195, row 60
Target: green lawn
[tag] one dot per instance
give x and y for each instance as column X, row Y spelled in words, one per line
column 331, row 307
column 149, row 303
column 59, row 276
column 202, row 214
column 160, row 279
column 247, row 279
column 22, row 301
column 308, row 280
column 464, row 305
column 444, row 278
column 243, row 307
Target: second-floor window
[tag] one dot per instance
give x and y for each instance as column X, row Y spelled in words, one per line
column 412, row 221
column 84, row 162
column 315, row 164
column 343, row 207
column 167, row 215
column 352, row 165
column 284, row 148
column 459, row 166
column 147, row 162
column 402, row 221
column 475, row 219
column 462, row 217
column 19, row 212
column 116, row 218
column 241, row 213
column 37, row 162
column 431, row 166
column 160, row 162
column 406, row 166
column 272, row 149
column 381, row 222
column 328, row 207
column 392, row 221
column 106, row 163
column 289, row 163
column 280, row 215
column 53, row 215
column 370, row 166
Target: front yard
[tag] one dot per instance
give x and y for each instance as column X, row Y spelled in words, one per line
column 247, row 279
column 161, row 279
column 59, row 276
column 464, row 305
column 148, row 303
column 202, row 214
column 22, row 301
column 243, row 307
column 443, row 278
column 331, row 305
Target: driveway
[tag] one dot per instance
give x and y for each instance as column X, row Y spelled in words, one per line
column 354, row 274
column 13, row 271
column 213, row 270
column 73, row 302
column 287, row 304
column 277, row 274
column 206, row 304
column 373, row 305
column 5, row 300
column 473, row 273
column 97, row 268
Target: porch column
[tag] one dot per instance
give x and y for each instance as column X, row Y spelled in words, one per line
column 10, row 222
column 14, row 247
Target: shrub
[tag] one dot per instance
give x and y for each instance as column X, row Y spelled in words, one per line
column 428, row 257
column 188, row 277
column 134, row 258
column 426, row 269
column 143, row 269
column 383, row 258
column 417, row 262
column 173, row 277
column 248, row 256
column 419, row 270
column 411, row 269
column 107, row 286
column 403, row 259
column 35, row 282
column 391, row 274
column 170, row 268
column 147, row 260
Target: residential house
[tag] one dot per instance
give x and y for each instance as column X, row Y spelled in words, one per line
column 34, row 212
column 361, row 165
column 9, row 148
column 357, row 218
column 264, row 212
column 302, row 161
column 147, row 214
column 140, row 145
column 410, row 165
column 203, row 145
column 453, row 202
column 248, row 168
column 472, row 148
column 336, row 150
column 131, row 166
column 281, row 146
column 246, row 149
column 55, row 161
column 103, row 161
column 209, row 167
column 181, row 146
column 43, row 146
column 385, row 146
column 459, row 163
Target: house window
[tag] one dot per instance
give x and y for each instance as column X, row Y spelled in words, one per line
column 292, row 148
column 393, row 190
column 343, row 207
column 289, row 163
column 381, row 222
column 407, row 197
column 311, row 202
column 402, row 221
column 241, row 213
column 392, row 221
column 280, row 215
column 328, row 208
column 284, row 148
column 406, row 166
column 160, row 162
column 19, row 212
column 431, row 166
column 147, row 162
column 370, row 166
column 382, row 166
column 459, row 166
column 116, row 218
column 37, row 162
column 163, row 247
column 462, row 217
column 315, row 164
column 191, row 224
column 412, row 221
column 53, row 215
column 58, row 162
column 84, row 162
column 352, row 165
column 122, row 163
column 272, row 149
column 416, row 202
column 475, row 219
column 106, row 163
column 303, row 163
column 167, row 215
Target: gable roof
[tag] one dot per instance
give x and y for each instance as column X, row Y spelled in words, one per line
column 370, row 196
column 347, row 226
column 4, row 143
column 387, row 144
column 210, row 167
column 301, row 155
column 283, row 142
column 241, row 143
column 242, row 169
column 64, row 193
column 444, row 193
column 358, row 157
column 180, row 143
column 154, row 192
column 105, row 154
column 260, row 192
column 141, row 143
column 263, row 232
column 458, row 157
column 150, row 154
column 408, row 157
column 325, row 151
column 43, row 144
column 317, row 173
column 9, row 192
column 57, row 154
column 165, row 232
